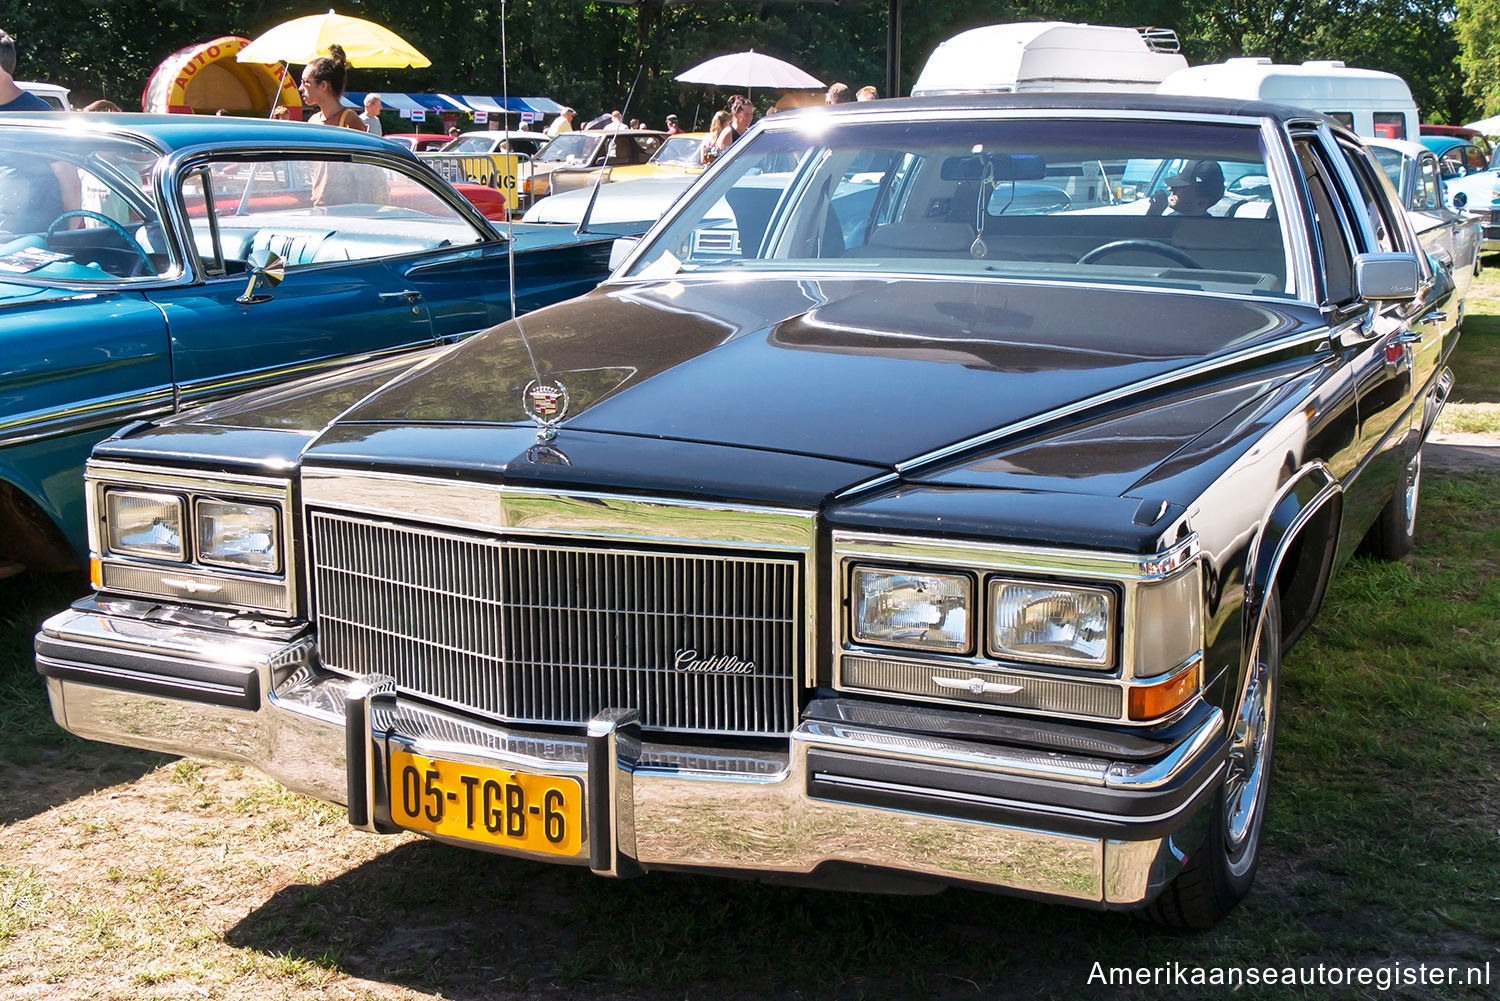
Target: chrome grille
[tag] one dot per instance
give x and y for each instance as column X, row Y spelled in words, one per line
column 552, row 633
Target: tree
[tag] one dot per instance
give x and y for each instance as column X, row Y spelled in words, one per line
column 1477, row 24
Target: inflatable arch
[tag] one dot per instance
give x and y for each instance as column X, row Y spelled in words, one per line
column 205, row 77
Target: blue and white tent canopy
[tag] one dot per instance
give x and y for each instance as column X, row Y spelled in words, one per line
column 536, row 107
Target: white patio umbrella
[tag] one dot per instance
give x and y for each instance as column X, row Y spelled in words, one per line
column 750, row 70
column 1489, row 126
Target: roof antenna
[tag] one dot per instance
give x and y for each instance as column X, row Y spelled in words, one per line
column 510, row 225
column 544, row 400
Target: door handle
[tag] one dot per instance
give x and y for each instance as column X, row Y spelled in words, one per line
column 409, row 296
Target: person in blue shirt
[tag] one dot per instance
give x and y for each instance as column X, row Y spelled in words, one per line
column 13, row 98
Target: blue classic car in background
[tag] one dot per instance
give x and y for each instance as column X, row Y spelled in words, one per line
column 125, row 249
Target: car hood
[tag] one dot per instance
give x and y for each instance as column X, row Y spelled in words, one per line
column 875, row 372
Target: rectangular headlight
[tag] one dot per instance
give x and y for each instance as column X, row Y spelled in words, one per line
column 1052, row 623
column 239, row 535
column 917, row 611
column 138, row 523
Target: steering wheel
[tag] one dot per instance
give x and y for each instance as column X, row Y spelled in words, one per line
column 130, row 241
column 1166, row 250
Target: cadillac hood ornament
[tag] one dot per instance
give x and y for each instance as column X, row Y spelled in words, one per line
column 546, row 403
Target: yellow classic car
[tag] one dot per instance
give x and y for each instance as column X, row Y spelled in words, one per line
column 680, row 155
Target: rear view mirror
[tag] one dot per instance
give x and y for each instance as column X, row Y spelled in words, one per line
column 1460, row 200
column 1386, row 277
column 1007, row 167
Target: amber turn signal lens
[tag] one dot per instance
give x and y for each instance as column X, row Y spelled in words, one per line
column 96, row 573
column 1154, row 701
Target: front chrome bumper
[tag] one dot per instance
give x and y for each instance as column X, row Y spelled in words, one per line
column 859, row 795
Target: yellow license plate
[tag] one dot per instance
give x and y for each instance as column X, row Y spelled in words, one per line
column 492, row 806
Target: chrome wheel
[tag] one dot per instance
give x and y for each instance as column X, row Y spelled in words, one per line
column 1245, row 782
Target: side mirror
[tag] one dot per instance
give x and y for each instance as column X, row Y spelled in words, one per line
column 621, row 249
column 1386, row 277
column 1460, row 201
column 266, row 271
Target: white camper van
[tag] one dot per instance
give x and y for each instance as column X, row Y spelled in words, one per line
column 1370, row 102
column 1050, row 56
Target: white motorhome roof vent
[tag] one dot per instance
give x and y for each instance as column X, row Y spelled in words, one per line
column 1248, row 61
column 1050, row 56
column 1322, row 64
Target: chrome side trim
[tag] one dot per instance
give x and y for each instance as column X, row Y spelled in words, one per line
column 207, row 390
column 61, row 421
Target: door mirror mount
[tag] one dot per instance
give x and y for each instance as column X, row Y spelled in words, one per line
column 266, row 271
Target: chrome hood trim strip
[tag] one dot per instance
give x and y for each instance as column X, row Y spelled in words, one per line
column 489, row 507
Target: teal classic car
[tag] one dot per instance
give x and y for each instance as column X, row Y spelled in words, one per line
column 150, row 264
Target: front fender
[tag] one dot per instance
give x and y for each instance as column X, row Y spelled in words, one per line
column 1294, row 551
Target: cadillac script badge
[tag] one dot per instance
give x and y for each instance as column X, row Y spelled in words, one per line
column 546, row 403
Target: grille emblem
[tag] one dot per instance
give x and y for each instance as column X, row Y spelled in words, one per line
column 546, row 403
column 690, row 662
column 975, row 686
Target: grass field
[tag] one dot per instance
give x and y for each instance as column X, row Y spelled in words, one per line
column 132, row 875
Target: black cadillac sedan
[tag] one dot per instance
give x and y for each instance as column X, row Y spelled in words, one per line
column 916, row 505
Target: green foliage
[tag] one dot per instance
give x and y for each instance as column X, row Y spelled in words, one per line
column 596, row 55
column 1478, row 29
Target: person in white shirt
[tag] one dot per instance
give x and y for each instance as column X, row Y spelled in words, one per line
column 371, row 117
column 616, row 122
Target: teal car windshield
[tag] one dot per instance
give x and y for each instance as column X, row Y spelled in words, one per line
column 1039, row 200
column 79, row 209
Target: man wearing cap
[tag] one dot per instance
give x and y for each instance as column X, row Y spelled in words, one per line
column 1190, row 191
column 672, row 128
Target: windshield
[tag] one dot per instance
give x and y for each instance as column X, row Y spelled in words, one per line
column 681, row 151
column 77, row 208
column 471, row 144
column 570, row 147
column 1040, row 199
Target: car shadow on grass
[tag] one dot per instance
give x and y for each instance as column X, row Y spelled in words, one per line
column 471, row 925
column 41, row 765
